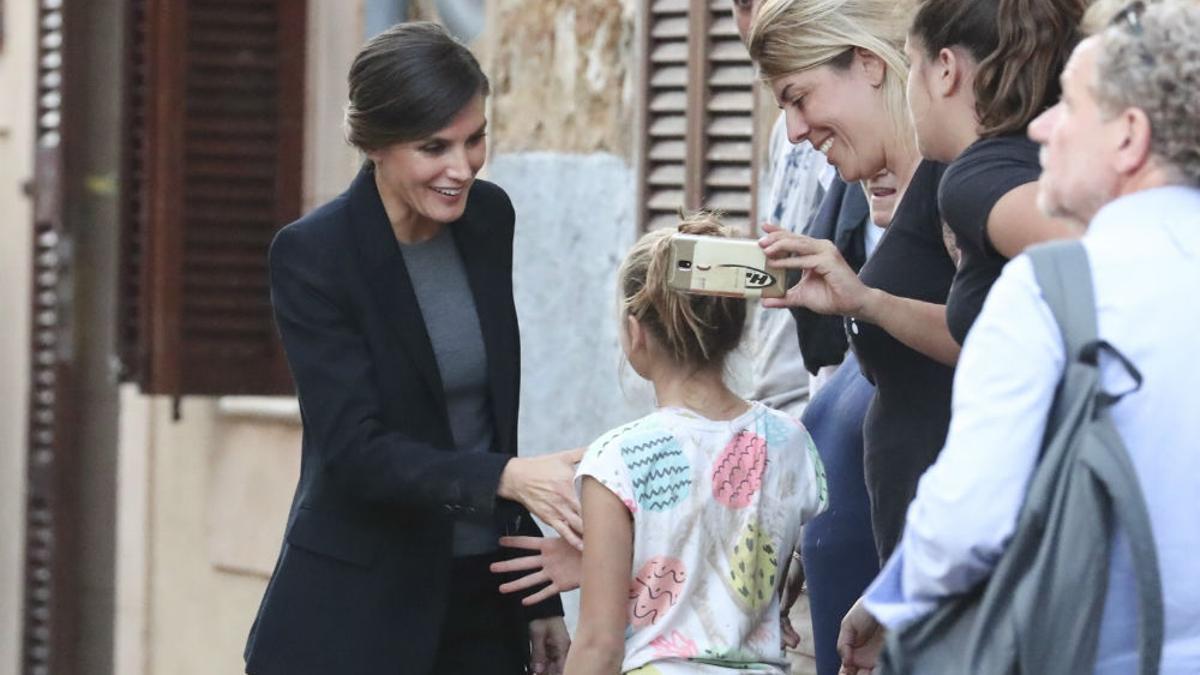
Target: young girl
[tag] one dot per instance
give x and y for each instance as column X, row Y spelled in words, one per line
column 690, row 513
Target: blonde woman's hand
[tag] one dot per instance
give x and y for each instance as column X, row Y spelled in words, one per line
column 828, row 284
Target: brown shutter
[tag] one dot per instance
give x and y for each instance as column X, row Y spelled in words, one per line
column 729, row 120
column 215, row 122
column 664, row 143
column 51, row 601
column 697, row 145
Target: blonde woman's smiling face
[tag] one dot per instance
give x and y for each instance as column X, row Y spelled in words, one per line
column 841, row 111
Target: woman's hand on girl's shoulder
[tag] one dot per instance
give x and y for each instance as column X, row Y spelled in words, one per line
column 545, row 486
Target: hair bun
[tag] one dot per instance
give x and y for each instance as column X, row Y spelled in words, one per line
column 706, row 223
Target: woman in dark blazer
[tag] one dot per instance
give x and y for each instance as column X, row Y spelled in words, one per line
column 395, row 306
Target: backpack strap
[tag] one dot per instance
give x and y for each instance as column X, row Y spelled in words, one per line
column 1065, row 278
column 1110, row 465
column 1063, row 272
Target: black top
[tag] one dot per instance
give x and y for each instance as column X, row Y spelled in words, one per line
column 363, row 577
column 973, row 183
column 906, row 422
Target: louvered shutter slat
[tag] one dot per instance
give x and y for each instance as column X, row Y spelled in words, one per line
column 729, row 51
column 661, row 7
column 741, row 102
column 724, row 26
column 670, row 28
column 669, row 101
column 669, row 174
column 670, row 76
column 670, row 52
column 668, row 125
column 735, row 75
column 730, row 151
column 730, row 126
column 729, row 177
column 668, row 151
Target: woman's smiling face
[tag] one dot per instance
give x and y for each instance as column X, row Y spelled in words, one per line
column 841, row 111
column 431, row 177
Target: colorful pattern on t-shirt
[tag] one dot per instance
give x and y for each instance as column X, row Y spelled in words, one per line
column 717, row 507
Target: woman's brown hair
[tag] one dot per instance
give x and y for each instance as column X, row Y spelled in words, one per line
column 409, row 82
column 1021, row 47
column 696, row 331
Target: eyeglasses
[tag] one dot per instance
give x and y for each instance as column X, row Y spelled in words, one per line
column 1130, row 18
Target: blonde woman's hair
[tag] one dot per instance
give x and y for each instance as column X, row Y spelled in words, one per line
column 788, row 36
column 696, row 331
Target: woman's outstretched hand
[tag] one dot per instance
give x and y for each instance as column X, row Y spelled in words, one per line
column 545, row 486
column 828, row 285
column 554, row 561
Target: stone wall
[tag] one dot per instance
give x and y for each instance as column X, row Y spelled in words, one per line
column 562, row 74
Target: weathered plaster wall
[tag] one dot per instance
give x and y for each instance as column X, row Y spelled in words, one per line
column 574, row 224
column 562, row 75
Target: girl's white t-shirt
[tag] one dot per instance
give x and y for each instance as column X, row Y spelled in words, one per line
column 717, row 508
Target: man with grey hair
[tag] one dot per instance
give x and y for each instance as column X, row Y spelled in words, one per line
column 1120, row 152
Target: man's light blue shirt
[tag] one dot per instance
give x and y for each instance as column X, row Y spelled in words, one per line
column 1144, row 251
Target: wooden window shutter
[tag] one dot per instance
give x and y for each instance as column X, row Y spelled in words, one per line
column 697, row 148
column 662, row 182
column 214, row 111
column 51, row 611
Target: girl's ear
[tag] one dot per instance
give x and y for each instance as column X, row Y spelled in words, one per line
column 635, row 333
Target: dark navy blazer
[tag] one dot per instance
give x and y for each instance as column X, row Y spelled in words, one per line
column 361, row 583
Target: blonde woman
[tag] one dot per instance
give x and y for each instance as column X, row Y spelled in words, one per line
column 837, row 69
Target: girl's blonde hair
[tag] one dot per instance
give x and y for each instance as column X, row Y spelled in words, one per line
column 788, row 36
column 696, row 331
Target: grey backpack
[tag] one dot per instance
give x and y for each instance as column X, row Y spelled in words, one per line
column 1040, row 610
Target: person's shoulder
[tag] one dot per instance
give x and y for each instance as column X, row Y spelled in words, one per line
column 928, row 174
column 776, row 414
column 321, row 229
column 632, row 446
column 778, row 427
column 631, row 431
column 1015, row 292
column 1016, row 145
column 1019, row 273
column 987, row 159
column 918, row 209
column 488, row 199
